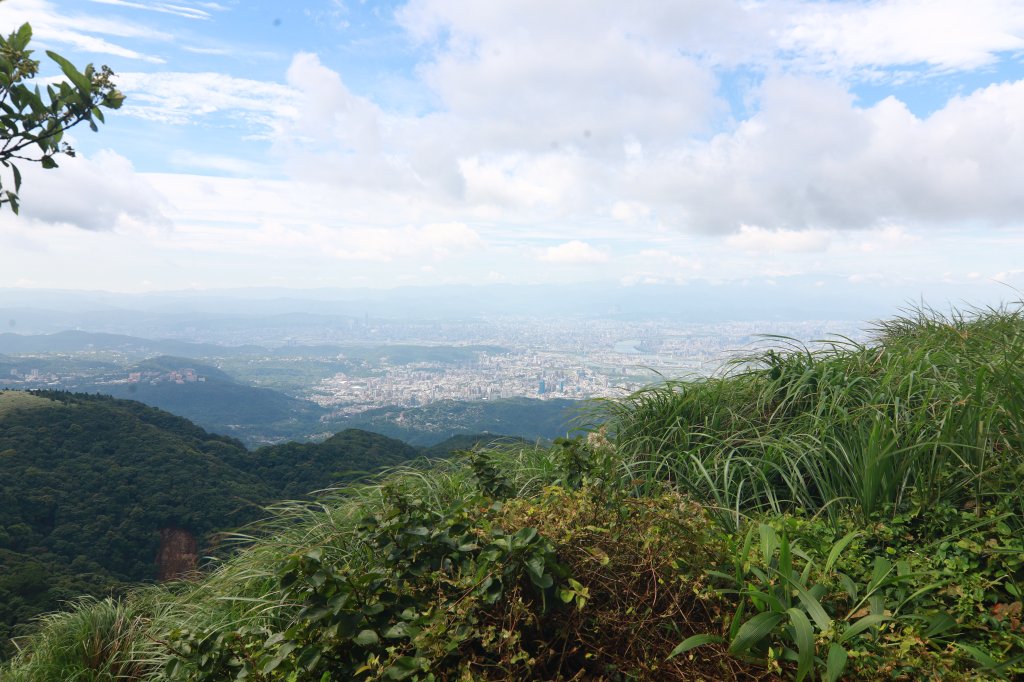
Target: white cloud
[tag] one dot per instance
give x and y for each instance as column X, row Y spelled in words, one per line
column 176, row 8
column 179, row 98
column 758, row 239
column 630, row 212
column 673, row 260
column 548, row 124
column 520, row 76
column 329, row 111
column 888, row 239
column 941, row 34
column 52, row 27
column 98, row 193
column 599, row 127
column 383, row 245
column 520, row 180
column 810, row 158
column 573, row 253
column 216, row 162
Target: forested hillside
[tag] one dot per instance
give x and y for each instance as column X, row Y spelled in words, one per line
column 88, row 482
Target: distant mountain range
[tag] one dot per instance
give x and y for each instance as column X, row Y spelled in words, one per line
column 75, row 341
column 79, row 341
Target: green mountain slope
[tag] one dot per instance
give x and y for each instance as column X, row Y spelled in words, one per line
column 88, row 482
column 214, row 400
column 96, row 479
column 292, row 470
column 430, row 424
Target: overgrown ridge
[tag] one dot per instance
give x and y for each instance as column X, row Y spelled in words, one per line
column 840, row 512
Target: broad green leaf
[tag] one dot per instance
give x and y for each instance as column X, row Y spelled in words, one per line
column 849, row 586
column 525, row 535
column 769, row 541
column 366, row 638
column 978, row 655
column 74, row 75
column 765, row 599
column 785, row 560
column 803, row 634
column 868, row 621
column 24, row 35
column 694, row 642
column 403, row 667
column 881, row 570
column 737, row 620
column 813, row 606
column 836, row 663
column 939, row 623
column 838, row 549
column 754, row 631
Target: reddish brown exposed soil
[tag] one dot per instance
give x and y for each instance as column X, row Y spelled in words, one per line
column 178, row 554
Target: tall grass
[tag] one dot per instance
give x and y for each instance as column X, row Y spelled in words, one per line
column 96, row 640
column 929, row 413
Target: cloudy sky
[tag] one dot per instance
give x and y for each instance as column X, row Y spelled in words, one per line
column 330, row 143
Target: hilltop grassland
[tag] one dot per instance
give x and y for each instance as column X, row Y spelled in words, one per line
column 844, row 511
column 19, row 400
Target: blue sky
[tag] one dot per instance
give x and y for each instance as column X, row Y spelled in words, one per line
column 352, row 144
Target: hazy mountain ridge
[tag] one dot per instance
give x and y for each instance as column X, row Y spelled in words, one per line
column 75, row 341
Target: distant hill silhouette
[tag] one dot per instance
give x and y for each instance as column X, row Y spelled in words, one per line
column 215, row 401
column 527, row 418
column 76, row 341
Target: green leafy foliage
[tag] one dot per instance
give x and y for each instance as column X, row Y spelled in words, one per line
column 32, row 124
column 372, row 623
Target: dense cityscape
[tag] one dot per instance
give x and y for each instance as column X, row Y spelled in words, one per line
column 564, row 359
column 504, row 358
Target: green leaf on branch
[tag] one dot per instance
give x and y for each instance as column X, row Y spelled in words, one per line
column 81, row 82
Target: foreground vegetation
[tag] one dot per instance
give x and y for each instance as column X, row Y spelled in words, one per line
column 845, row 511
